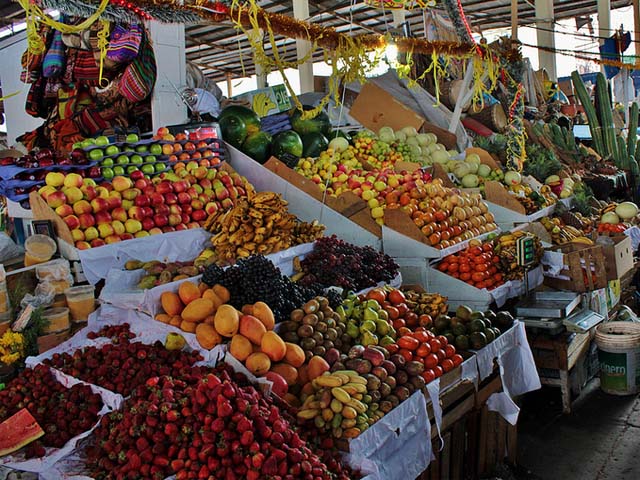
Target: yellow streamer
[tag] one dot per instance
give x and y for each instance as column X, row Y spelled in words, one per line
column 103, row 42
column 10, row 95
column 36, row 11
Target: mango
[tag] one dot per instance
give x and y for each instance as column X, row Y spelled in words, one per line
column 252, row 328
column 263, row 312
column 258, row 364
column 226, row 321
column 273, row 346
column 207, row 336
column 171, row 303
column 198, row 310
column 240, row 347
column 188, row 292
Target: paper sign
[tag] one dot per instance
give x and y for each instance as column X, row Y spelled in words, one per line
column 267, row 101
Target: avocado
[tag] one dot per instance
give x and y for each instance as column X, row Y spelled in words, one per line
column 478, row 340
column 476, row 316
column 496, row 331
column 459, row 329
column 476, row 325
column 504, row 320
column 462, row 342
column 450, row 337
column 490, row 315
column 442, row 323
column 490, row 334
column 463, row 313
column 487, row 323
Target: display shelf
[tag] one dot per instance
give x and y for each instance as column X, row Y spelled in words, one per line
column 302, row 203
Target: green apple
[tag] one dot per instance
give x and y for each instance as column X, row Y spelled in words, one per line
column 122, row 160
column 96, row 154
column 112, row 150
column 107, row 173
column 87, row 142
column 150, row 159
column 141, row 148
column 159, row 167
column 77, row 145
column 148, row 169
column 102, row 141
column 156, row 149
column 129, row 148
column 118, row 170
column 131, row 168
column 136, row 159
column 107, row 162
column 132, row 138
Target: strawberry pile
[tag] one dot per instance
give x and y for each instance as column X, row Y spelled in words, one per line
column 62, row 412
column 123, row 366
column 117, row 333
column 209, row 423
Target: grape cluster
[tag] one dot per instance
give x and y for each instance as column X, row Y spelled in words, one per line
column 338, row 263
column 256, row 278
column 212, row 274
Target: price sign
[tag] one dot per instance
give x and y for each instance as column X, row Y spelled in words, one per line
column 525, row 251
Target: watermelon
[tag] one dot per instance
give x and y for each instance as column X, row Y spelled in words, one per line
column 286, row 142
column 234, row 130
column 313, row 144
column 257, row 146
column 17, row 431
column 319, row 124
column 248, row 116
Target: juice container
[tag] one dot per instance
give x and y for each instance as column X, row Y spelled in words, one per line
column 5, row 322
column 81, row 302
column 38, row 249
column 4, row 298
column 58, row 319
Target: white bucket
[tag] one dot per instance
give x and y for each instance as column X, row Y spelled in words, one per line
column 619, row 356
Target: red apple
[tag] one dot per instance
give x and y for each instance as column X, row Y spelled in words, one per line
column 82, row 245
column 160, row 220
column 156, row 199
column 192, row 225
column 174, row 219
column 112, row 239
column 142, row 183
column 205, row 183
column 193, row 192
column 162, row 209
column 119, row 214
column 130, row 193
column 114, row 202
column 136, row 175
column 155, row 231
column 88, row 192
column 199, row 215
column 72, row 221
column 186, row 208
column 78, row 235
column 147, row 211
column 180, row 186
column 126, row 236
column 175, row 209
column 142, row 201
column 97, row 242
column 170, row 198
column 226, row 204
column 164, row 187
column 127, row 204
column 184, row 197
column 64, row 210
column 106, row 229
column 211, row 208
column 197, row 204
column 185, row 218
column 136, row 213
column 86, row 220
column 148, row 223
column 99, row 204
column 149, row 190
column 103, row 217
column 180, row 227
column 168, row 228
column 222, row 193
column 55, row 199
column 120, row 183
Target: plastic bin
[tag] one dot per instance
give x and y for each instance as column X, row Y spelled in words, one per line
column 58, row 319
column 81, row 302
column 38, row 249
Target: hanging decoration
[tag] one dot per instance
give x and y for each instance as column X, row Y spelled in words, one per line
column 401, row 4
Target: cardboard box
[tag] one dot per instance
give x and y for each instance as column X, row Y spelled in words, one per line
column 618, row 257
column 582, row 267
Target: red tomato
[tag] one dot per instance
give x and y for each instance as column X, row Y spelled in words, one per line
column 398, row 323
column 392, row 348
column 396, row 297
column 438, row 371
column 393, row 312
column 423, row 350
column 408, row 356
column 422, row 337
column 428, row 376
column 402, row 308
column 425, row 320
column 449, row 350
column 377, row 294
column 457, row 359
column 431, row 334
column 408, row 342
column 447, row 365
column 435, row 344
column 431, row 361
column 402, row 331
column 443, row 340
column 441, row 355
column 411, row 319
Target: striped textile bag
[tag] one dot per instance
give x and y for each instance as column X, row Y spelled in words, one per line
column 139, row 76
column 54, row 61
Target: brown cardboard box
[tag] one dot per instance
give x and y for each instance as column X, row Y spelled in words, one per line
column 583, row 268
column 618, row 257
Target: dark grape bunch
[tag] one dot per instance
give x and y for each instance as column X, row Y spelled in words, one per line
column 255, row 279
column 335, row 262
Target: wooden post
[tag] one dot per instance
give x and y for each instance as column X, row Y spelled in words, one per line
column 546, row 37
column 261, row 77
column 229, row 85
column 514, row 22
column 301, row 12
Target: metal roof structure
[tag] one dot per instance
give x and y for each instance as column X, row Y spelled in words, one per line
column 219, row 50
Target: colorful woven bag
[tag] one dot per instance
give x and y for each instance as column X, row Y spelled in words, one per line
column 54, row 61
column 86, row 69
column 124, row 43
column 139, row 76
column 36, row 104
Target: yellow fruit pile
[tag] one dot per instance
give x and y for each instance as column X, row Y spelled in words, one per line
column 258, row 224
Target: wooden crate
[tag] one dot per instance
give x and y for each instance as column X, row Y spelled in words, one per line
column 584, row 267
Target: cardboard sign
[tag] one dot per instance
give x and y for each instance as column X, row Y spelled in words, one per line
column 374, row 108
column 267, row 101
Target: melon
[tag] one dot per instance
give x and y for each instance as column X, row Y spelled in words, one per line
column 313, row 144
column 286, row 142
column 626, row 210
column 470, row 181
column 318, row 124
column 512, row 178
column 17, row 431
column 248, row 116
column 257, row 146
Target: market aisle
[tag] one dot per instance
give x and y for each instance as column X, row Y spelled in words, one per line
column 600, row 440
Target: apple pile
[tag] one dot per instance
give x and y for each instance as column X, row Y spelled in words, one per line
column 135, row 207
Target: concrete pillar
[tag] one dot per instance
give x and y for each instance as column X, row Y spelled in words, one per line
column 169, row 47
column 301, row 12
column 546, row 37
column 261, row 76
column 398, row 17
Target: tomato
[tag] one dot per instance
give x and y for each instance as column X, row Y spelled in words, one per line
column 377, row 294
column 465, row 276
column 428, row 376
column 464, row 268
column 435, row 345
column 408, row 342
column 447, row 365
column 419, row 329
column 408, row 356
column 398, row 323
column 402, row 331
column 392, row 312
column 438, row 371
column 487, row 247
column 411, row 319
column 495, row 259
column 453, row 267
column 449, row 350
column 396, row 297
column 457, row 359
column 431, row 334
column 402, row 308
column 497, row 277
column 441, row 355
column 442, row 339
column 481, row 267
column 430, row 361
column 422, row 336
column 478, row 277
column 425, row 320
column 392, row 348
column 423, row 350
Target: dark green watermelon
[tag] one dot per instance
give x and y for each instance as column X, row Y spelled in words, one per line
column 286, row 142
column 313, row 144
column 319, row 124
column 257, row 146
column 248, row 116
column 234, row 130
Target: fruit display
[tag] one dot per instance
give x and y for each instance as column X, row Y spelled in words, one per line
column 366, row 319
column 617, row 213
column 471, row 172
column 159, row 273
column 334, row 262
column 562, row 233
column 477, row 265
column 424, row 303
column 18, row 430
column 41, row 393
column 257, row 279
column 472, row 330
column 505, row 248
column 258, row 224
column 318, row 330
column 207, row 423
column 124, row 366
column 136, row 207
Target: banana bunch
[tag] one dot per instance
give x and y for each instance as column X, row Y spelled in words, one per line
column 611, row 207
column 340, row 404
column 205, row 258
column 423, row 303
column 505, row 248
column 257, row 224
column 562, row 234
